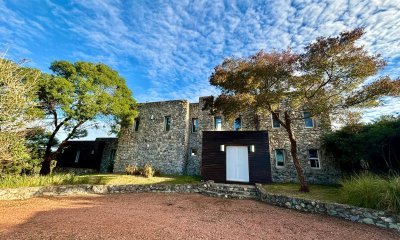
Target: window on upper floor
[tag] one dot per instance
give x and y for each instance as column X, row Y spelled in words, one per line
column 313, row 157
column 167, row 123
column 136, row 124
column 308, row 120
column 237, row 124
column 275, row 122
column 195, row 125
column 218, row 123
column 280, row 157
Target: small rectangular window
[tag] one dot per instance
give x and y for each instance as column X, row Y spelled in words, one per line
column 136, row 124
column 314, row 158
column 167, row 123
column 193, row 152
column 275, row 122
column 280, row 157
column 195, row 125
column 308, row 121
column 78, row 154
column 218, row 123
column 237, row 125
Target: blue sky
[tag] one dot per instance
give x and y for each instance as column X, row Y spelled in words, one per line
column 168, row 49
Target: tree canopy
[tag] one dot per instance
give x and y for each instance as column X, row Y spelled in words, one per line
column 329, row 77
column 18, row 108
column 81, row 93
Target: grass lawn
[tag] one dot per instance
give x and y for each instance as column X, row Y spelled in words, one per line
column 317, row 192
column 108, row 179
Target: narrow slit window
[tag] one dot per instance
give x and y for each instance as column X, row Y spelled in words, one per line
column 218, row 123
column 193, row 152
column 237, row 125
column 275, row 122
column 136, row 124
column 167, row 123
column 308, row 121
column 78, row 154
column 313, row 157
column 195, row 125
column 280, row 157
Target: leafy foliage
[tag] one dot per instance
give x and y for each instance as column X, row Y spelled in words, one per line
column 373, row 146
column 83, row 93
column 18, row 107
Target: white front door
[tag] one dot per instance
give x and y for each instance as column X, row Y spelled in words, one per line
column 237, row 164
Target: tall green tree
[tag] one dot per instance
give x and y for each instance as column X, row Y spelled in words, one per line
column 82, row 93
column 328, row 78
column 18, row 108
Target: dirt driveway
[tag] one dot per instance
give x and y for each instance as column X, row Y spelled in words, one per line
column 169, row 216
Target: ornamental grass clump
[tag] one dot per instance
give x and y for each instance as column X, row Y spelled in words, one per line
column 148, row 171
column 132, row 170
column 372, row 191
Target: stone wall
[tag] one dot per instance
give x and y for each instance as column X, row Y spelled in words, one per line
column 107, row 161
column 164, row 150
column 84, row 189
column 356, row 214
column 194, row 161
column 307, row 138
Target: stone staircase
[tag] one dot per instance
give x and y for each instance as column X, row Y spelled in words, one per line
column 236, row 191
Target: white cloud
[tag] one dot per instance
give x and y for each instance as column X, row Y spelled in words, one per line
column 177, row 44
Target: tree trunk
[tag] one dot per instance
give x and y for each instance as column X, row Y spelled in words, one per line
column 45, row 169
column 293, row 151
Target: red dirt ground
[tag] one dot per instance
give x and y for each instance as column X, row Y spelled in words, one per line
column 169, row 216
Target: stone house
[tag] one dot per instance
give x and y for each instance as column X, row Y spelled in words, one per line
column 178, row 137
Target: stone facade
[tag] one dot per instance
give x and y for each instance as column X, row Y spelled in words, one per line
column 179, row 150
column 165, row 150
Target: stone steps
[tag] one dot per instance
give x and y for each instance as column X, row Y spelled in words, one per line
column 235, row 191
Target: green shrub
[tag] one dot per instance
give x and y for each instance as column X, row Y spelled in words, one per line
column 132, row 170
column 372, row 191
column 148, row 171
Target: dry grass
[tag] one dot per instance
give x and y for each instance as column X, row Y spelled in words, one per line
column 108, row 179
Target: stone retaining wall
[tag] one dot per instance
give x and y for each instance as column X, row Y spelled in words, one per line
column 84, row 189
column 356, row 214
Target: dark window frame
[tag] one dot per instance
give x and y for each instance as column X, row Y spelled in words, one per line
column 283, row 156
column 195, row 127
column 167, row 123
column 275, row 122
column 240, row 124
column 215, row 123
column 308, row 120
column 314, row 159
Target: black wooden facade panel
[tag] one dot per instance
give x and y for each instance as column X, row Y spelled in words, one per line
column 214, row 161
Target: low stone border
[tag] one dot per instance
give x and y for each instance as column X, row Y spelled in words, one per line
column 356, row 214
column 84, row 189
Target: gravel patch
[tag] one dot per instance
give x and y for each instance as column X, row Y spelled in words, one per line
column 169, row 216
